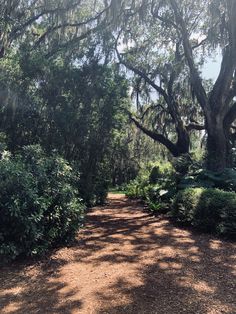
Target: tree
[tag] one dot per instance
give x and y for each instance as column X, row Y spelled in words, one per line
column 73, row 109
column 131, row 149
column 218, row 106
column 158, row 63
column 197, row 28
column 50, row 25
column 172, row 122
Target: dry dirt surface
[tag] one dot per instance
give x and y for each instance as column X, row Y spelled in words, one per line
column 126, row 261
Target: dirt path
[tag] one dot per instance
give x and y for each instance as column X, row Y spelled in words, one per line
column 126, row 261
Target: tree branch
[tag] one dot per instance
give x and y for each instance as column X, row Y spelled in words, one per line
column 195, row 77
column 143, row 75
column 223, row 83
column 195, row 126
column 151, row 108
column 156, row 137
column 34, row 18
column 70, row 43
column 52, row 29
column 200, row 43
column 155, row 14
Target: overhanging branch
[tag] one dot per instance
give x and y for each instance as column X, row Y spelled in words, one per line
column 195, row 77
column 143, row 75
column 156, row 137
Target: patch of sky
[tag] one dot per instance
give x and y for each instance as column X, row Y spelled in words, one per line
column 211, row 67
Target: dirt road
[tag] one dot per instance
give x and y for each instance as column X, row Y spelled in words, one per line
column 126, row 261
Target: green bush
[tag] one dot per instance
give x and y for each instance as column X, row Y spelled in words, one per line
column 134, row 190
column 182, row 164
column 156, row 186
column 225, row 180
column 154, row 175
column 39, row 203
column 210, row 210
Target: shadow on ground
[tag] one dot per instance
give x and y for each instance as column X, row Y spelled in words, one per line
column 126, row 261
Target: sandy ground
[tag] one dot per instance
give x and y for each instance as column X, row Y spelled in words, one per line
column 126, row 261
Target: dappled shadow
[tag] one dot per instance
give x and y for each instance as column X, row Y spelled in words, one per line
column 127, row 261
column 178, row 271
column 35, row 289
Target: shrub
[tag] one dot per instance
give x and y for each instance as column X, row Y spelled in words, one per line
column 134, row 190
column 210, row 210
column 156, row 186
column 182, row 164
column 154, row 175
column 39, row 203
column 94, row 182
column 225, row 180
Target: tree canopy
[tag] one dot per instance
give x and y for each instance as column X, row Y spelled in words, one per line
column 165, row 44
column 97, row 93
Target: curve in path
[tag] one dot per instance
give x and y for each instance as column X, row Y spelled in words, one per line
column 126, row 261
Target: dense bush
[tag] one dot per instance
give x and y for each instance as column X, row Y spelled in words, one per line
column 39, row 203
column 203, row 199
column 210, row 210
column 225, row 180
column 155, row 185
column 182, row 164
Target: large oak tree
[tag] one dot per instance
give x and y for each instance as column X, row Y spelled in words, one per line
column 198, row 28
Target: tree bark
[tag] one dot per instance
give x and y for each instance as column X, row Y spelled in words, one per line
column 216, row 105
column 176, row 149
column 183, row 141
column 217, row 144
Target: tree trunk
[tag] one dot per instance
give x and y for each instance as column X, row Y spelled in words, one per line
column 183, row 142
column 217, row 145
column 230, row 146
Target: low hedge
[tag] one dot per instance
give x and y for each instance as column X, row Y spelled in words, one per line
column 210, row 210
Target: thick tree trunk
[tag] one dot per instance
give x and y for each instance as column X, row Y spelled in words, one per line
column 217, row 145
column 219, row 142
column 183, row 142
column 215, row 105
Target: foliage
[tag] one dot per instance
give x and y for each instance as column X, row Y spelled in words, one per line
column 210, row 210
column 155, row 185
column 62, row 88
column 225, row 180
column 73, row 109
column 130, row 150
column 200, row 198
column 49, row 26
column 39, row 203
column 169, row 86
column 182, row 164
